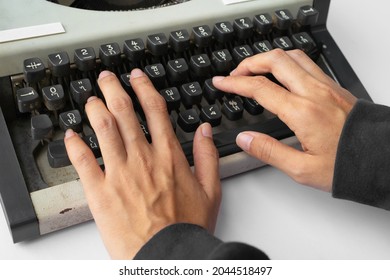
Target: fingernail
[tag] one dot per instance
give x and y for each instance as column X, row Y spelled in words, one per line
column 69, row 133
column 92, row 98
column 232, row 73
column 207, row 130
column 104, row 74
column 244, row 141
column 217, row 79
column 136, row 73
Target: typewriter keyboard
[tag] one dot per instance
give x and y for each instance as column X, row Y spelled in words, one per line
column 51, row 93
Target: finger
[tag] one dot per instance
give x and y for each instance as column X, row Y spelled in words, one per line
column 83, row 160
column 206, row 162
column 107, row 133
column 281, row 65
column 120, row 105
column 271, row 96
column 154, row 107
column 310, row 66
column 272, row 152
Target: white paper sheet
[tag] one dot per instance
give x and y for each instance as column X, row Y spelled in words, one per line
column 228, row 2
column 31, row 32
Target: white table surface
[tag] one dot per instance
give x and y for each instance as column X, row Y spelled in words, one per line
column 264, row 207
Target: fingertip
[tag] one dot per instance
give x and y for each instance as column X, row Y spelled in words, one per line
column 218, row 79
column 104, row 74
column 206, row 130
column 136, row 73
column 244, row 141
column 206, row 159
column 69, row 133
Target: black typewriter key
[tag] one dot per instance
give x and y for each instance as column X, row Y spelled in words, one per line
column 85, row 59
column 222, row 61
column 211, row 114
column 304, row 42
column 172, row 98
column 262, row 46
column 202, row 36
column 134, row 49
column 53, row 97
column 177, row 70
column 252, row 106
column 110, row 54
column 263, row 23
column 125, row 82
column 188, row 120
column 179, row 40
column 243, row 28
column 57, row 155
column 284, row 19
column 210, row 92
column 33, row 70
column 283, row 43
column 157, row 44
column 191, row 94
column 28, row 100
column 156, row 74
column 223, row 32
column 233, row 109
column 200, row 65
column 93, row 144
column 307, row 15
column 41, row 127
column 59, row 64
column 241, row 52
column 81, row 90
column 145, row 130
column 71, row 120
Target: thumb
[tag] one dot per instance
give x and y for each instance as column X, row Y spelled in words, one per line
column 206, row 162
column 273, row 152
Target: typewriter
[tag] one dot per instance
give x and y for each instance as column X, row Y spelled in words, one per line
column 51, row 53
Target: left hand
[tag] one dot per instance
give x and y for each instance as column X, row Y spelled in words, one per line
column 311, row 104
column 145, row 187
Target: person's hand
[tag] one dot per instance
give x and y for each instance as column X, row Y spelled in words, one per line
column 145, row 187
column 312, row 105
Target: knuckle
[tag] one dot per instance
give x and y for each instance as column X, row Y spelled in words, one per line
column 297, row 53
column 104, row 123
column 82, row 158
column 260, row 82
column 265, row 150
column 278, row 54
column 120, row 104
column 155, row 103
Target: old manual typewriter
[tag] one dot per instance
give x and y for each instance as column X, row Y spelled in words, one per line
column 52, row 51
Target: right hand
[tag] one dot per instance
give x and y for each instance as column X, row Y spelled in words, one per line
column 312, row 105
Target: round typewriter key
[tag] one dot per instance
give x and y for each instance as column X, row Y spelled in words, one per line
column 34, row 70
column 53, row 97
column 28, row 100
column 71, row 120
column 41, row 127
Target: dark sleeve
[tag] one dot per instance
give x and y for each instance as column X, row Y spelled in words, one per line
column 188, row 241
column 362, row 168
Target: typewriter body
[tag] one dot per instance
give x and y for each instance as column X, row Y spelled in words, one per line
column 41, row 194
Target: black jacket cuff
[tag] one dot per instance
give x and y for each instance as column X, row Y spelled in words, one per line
column 188, row 241
column 362, row 168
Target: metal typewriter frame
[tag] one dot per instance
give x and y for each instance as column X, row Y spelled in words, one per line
column 15, row 197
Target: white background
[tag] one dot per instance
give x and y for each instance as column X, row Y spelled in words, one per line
column 264, row 207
